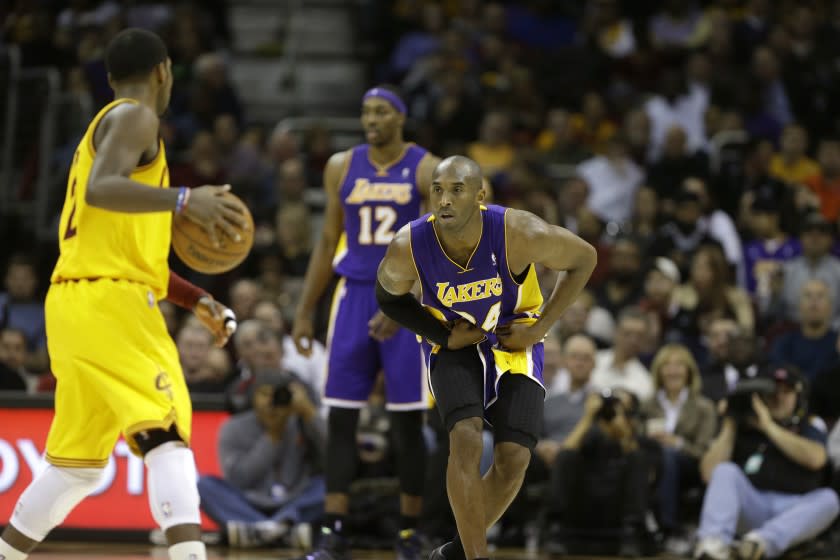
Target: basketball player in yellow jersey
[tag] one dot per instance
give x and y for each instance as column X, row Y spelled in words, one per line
column 117, row 368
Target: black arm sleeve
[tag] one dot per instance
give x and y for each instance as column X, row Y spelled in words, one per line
column 409, row 313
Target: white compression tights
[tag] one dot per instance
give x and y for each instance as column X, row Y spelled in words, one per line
column 50, row 497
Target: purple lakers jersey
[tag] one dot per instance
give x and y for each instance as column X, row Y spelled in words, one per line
column 485, row 291
column 377, row 202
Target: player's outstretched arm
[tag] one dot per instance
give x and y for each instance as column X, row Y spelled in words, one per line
column 320, row 269
column 532, row 240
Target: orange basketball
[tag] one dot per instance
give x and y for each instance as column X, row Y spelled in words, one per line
column 193, row 246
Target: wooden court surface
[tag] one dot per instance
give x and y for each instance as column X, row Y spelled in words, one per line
column 86, row 551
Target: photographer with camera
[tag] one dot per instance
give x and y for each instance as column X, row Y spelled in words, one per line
column 272, row 459
column 765, row 472
column 599, row 481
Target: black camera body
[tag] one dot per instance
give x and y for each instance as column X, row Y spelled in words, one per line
column 608, row 405
column 739, row 403
column 282, row 396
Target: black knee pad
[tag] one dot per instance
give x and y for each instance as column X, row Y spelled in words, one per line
column 147, row 440
column 407, row 436
column 517, row 414
column 458, row 381
column 342, row 452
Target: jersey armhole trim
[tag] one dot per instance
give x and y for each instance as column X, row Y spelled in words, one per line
column 345, row 170
column 94, row 125
column 507, row 260
column 413, row 261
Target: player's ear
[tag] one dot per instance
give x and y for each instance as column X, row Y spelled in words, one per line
column 482, row 192
column 160, row 72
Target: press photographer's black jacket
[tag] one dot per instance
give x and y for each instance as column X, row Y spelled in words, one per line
column 777, row 472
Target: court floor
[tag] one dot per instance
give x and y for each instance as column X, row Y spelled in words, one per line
column 86, row 551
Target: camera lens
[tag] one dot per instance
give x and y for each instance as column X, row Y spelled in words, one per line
column 282, row 396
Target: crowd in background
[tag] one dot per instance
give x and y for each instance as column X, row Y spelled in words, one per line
column 696, row 145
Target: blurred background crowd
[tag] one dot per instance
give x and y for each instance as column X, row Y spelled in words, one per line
column 695, row 144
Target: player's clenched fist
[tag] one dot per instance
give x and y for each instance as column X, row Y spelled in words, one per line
column 220, row 320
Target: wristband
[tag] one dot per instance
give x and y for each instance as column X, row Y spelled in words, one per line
column 183, row 198
column 182, row 293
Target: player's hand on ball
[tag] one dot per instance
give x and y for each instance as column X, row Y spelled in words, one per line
column 464, row 334
column 381, row 327
column 519, row 336
column 209, row 209
column 302, row 332
column 218, row 319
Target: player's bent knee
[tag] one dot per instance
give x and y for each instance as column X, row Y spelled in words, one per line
column 51, row 497
column 173, row 485
column 465, row 436
column 511, row 459
column 149, row 440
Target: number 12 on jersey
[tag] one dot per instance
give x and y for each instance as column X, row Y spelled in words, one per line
column 385, row 216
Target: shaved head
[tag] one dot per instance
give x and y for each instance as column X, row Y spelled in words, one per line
column 459, row 168
column 456, row 193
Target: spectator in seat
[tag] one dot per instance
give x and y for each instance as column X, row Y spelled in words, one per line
column 619, row 366
column 244, row 295
column 815, row 263
column 13, row 376
column 719, row 376
column 204, row 370
column 272, row 459
column 660, row 283
column 771, row 247
column 682, row 236
column 708, row 295
column 720, row 226
column 791, row 164
column 310, row 369
column 557, row 143
column 813, row 346
column 493, row 150
column 294, row 237
column 676, row 165
column 564, row 409
column 599, row 478
column 622, row 287
column 765, row 474
column 613, row 180
column 21, row 308
column 826, row 184
column 683, row 422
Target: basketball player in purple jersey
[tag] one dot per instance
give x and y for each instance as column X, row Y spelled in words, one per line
column 372, row 191
column 480, row 313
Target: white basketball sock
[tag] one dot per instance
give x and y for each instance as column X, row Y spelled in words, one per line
column 9, row 553
column 189, row 550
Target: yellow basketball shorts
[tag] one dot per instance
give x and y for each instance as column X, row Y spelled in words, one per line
column 117, row 370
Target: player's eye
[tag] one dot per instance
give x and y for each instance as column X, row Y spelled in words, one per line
column 436, row 188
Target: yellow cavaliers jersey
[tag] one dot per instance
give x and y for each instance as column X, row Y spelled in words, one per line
column 96, row 243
